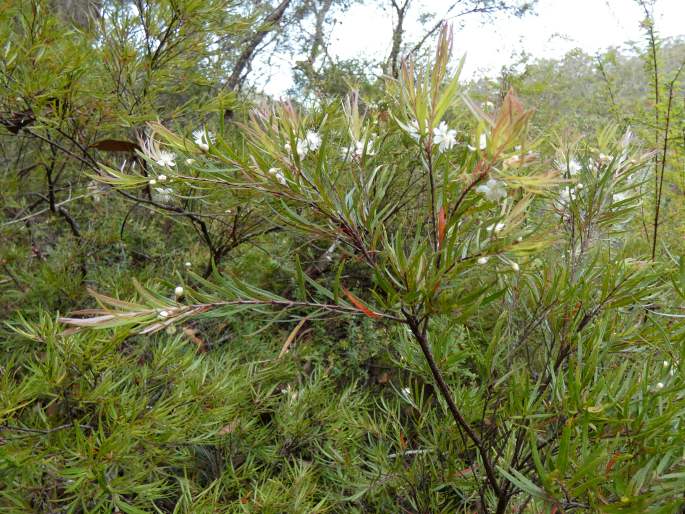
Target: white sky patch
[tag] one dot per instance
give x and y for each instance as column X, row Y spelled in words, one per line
column 557, row 27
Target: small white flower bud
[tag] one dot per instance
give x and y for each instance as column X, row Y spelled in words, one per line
column 666, row 364
column 187, row 264
column 152, row 182
column 515, row 266
column 482, row 260
column 179, row 291
column 163, row 314
column 161, row 178
column 660, row 385
column 519, row 239
column 579, row 185
column 190, row 161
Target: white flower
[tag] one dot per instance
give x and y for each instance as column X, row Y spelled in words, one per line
column 512, row 161
column 179, row 291
column 188, row 264
column 566, row 196
column 493, row 190
column 603, row 158
column 313, row 140
column 202, row 139
column 163, row 314
column 166, row 159
column 152, row 182
column 496, row 228
column 515, row 266
column 150, row 148
column 190, row 162
column 619, row 197
column 161, row 178
column 482, row 260
column 483, row 143
column 278, row 174
column 572, row 167
column 444, row 137
column 659, row 385
column 310, row 143
column 414, row 131
column 579, row 185
column 94, row 190
column 356, row 149
column 163, row 194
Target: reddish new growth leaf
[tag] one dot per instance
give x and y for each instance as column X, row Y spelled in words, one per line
column 359, row 305
column 611, row 463
column 441, row 226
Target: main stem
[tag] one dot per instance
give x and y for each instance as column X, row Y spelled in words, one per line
column 454, row 410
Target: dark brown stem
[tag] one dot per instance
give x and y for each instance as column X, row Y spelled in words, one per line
column 459, row 419
column 664, row 158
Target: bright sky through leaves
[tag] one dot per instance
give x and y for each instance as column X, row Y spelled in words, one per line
column 557, row 27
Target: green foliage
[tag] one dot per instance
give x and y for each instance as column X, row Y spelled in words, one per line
column 402, row 298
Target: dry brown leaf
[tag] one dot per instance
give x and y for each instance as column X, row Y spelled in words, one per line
column 291, row 338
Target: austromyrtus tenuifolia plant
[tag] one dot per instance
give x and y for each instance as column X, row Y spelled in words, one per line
column 506, row 277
